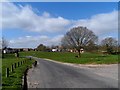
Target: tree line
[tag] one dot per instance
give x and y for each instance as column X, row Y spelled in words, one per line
column 81, row 37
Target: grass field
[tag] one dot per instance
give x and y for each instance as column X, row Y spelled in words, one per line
column 14, row 81
column 15, row 78
column 86, row 58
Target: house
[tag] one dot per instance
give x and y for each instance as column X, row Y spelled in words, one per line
column 9, row 50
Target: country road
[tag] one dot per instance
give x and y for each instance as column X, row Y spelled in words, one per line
column 50, row 74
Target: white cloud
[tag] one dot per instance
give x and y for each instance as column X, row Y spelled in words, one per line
column 34, row 41
column 101, row 23
column 24, row 17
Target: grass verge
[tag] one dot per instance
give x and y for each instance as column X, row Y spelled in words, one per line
column 14, row 81
column 86, row 58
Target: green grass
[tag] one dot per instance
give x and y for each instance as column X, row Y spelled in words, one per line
column 15, row 78
column 86, row 58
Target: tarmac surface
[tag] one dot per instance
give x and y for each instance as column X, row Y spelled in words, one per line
column 52, row 74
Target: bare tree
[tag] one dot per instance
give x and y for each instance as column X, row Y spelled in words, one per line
column 109, row 44
column 91, row 47
column 78, row 38
column 4, row 43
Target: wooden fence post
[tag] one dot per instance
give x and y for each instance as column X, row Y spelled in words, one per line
column 21, row 62
column 7, row 72
column 15, row 65
column 18, row 64
column 12, row 67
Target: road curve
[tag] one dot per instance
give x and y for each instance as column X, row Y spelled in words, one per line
column 49, row 74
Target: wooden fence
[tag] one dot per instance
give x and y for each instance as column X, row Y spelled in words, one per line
column 14, row 66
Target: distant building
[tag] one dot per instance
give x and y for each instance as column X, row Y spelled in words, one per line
column 23, row 49
column 13, row 50
column 54, row 50
column 81, row 50
column 18, row 49
column 74, row 50
column 26, row 49
column 9, row 50
column 4, row 51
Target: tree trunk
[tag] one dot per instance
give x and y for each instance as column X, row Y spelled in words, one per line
column 79, row 54
column 2, row 54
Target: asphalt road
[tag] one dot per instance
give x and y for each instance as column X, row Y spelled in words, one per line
column 49, row 74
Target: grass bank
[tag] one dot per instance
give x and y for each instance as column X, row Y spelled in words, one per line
column 86, row 58
column 14, row 81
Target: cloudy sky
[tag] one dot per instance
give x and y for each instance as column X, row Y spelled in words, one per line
column 29, row 24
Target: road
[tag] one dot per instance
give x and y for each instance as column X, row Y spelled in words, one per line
column 49, row 74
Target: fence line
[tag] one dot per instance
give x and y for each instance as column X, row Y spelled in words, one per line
column 7, row 72
column 14, row 66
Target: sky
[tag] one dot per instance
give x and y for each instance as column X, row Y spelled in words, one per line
column 28, row 24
